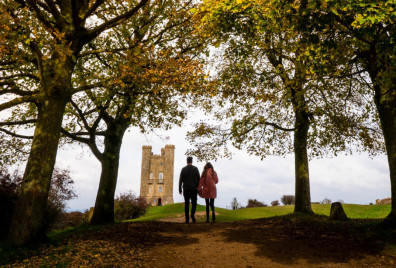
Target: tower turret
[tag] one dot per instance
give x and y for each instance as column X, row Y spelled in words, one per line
column 168, row 172
column 157, row 175
column 145, row 173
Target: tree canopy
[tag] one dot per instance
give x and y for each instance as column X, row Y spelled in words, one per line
column 281, row 74
column 43, row 43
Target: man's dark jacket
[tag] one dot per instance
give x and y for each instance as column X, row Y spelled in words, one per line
column 189, row 178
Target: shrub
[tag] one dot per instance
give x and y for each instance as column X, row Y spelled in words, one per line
column 275, row 203
column 128, row 206
column 9, row 185
column 288, row 200
column 61, row 190
column 253, row 203
column 72, row 219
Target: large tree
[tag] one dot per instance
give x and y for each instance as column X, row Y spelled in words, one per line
column 155, row 78
column 276, row 86
column 369, row 27
column 41, row 43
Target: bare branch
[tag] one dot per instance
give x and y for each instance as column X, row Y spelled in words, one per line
column 93, row 8
column 21, row 75
column 98, row 51
column 81, row 114
column 15, row 135
column 14, row 89
column 115, row 21
column 44, row 6
column 15, row 123
column 87, row 87
column 55, row 12
column 279, row 127
column 5, row 63
column 90, row 142
column 82, row 133
column 74, row 136
column 40, row 15
column 17, row 101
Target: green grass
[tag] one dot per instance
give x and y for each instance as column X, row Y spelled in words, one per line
column 353, row 211
column 167, row 211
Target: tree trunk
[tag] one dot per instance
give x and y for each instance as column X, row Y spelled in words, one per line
column 27, row 222
column 104, row 205
column 303, row 195
column 385, row 100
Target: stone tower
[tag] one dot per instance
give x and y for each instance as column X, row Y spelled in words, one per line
column 156, row 184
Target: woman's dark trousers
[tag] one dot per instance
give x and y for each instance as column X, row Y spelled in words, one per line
column 210, row 202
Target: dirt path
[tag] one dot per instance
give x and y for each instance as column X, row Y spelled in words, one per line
column 199, row 215
column 261, row 243
column 272, row 242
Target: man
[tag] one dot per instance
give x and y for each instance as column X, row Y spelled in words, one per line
column 189, row 179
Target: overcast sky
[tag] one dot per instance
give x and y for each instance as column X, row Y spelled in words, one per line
column 355, row 179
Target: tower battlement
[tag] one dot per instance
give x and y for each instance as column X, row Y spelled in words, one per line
column 156, row 184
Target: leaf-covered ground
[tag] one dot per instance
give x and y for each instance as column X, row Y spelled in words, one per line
column 275, row 242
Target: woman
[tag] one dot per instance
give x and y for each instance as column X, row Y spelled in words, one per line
column 207, row 189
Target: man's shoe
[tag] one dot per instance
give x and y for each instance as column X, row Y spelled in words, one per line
column 193, row 219
column 186, row 222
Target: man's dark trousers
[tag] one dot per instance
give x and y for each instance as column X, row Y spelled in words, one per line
column 190, row 194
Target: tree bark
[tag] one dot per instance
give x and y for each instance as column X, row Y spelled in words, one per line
column 303, row 195
column 104, row 205
column 27, row 222
column 378, row 67
column 385, row 100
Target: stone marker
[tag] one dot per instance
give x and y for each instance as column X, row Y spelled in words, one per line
column 337, row 212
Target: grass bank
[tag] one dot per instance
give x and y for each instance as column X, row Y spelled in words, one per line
column 353, row 211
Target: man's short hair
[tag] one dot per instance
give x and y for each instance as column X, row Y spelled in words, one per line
column 189, row 160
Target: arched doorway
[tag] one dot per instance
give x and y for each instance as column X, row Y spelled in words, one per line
column 159, row 202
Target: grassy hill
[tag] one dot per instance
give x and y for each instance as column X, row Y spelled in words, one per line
column 353, row 211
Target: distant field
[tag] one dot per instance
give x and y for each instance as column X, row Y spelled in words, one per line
column 353, row 211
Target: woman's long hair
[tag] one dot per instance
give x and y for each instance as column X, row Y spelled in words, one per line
column 207, row 167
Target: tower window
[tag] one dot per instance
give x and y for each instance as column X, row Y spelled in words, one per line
column 151, row 175
column 150, row 189
column 160, row 189
column 160, row 176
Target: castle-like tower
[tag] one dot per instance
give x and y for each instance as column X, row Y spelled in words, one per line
column 156, row 184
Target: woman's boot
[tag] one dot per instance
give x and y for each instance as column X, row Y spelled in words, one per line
column 213, row 216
